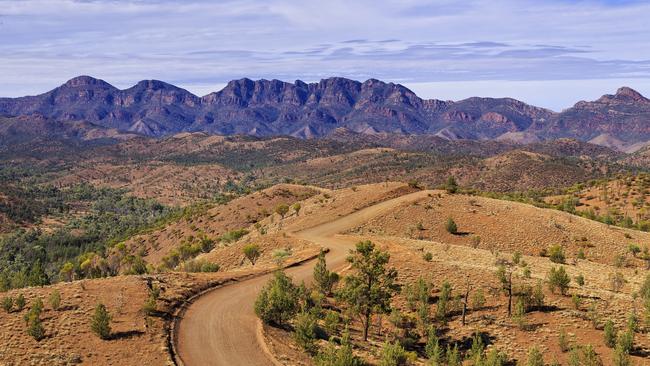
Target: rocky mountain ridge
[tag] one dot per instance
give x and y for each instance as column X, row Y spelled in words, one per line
column 314, row 110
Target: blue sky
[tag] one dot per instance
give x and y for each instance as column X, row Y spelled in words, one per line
column 550, row 53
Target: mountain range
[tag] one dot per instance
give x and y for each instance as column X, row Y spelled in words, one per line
column 315, row 110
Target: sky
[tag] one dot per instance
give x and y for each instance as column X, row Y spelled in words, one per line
column 551, row 53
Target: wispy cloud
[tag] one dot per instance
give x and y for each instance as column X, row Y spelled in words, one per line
column 201, row 44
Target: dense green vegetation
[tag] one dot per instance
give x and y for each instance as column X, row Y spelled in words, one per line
column 30, row 257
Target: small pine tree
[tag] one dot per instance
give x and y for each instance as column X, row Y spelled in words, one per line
column 535, row 357
column 621, row 356
column 7, row 303
column 371, row 286
column 149, row 307
column 590, row 357
column 519, row 315
column 100, row 322
column 563, row 341
column 443, row 301
column 393, row 354
column 610, row 334
column 20, row 302
column 475, row 354
column 577, row 301
column 453, row 358
column 626, row 340
column 55, row 299
column 324, row 279
column 37, row 306
column 432, row 349
column 341, row 356
column 556, row 254
column 331, row 322
column 451, row 186
column 451, row 226
column 478, row 299
column 305, row 329
column 35, row 326
column 278, row 302
column 558, row 279
column 495, row 358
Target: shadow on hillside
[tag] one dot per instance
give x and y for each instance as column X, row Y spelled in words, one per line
column 547, row 308
column 126, row 335
column 639, row 352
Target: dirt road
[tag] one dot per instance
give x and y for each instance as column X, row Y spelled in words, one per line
column 220, row 327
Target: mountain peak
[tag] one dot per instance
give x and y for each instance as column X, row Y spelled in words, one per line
column 85, row 80
column 629, row 93
column 155, row 85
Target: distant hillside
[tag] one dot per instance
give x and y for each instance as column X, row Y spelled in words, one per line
column 315, row 110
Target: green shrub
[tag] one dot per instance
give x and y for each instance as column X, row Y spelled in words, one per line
column 478, row 299
column 277, row 303
column 393, row 354
column 296, row 207
column 443, row 301
column 233, row 235
column 610, row 334
column 427, row 256
column 7, row 303
column 20, row 302
column 621, row 356
column 590, row 357
column 516, row 257
column 282, row 209
column 558, row 279
column 563, row 341
column 495, row 358
column 200, row 265
column 452, row 356
column 55, row 299
column 341, row 356
column 417, row 293
column 305, row 330
column 626, row 340
column 451, row 186
column 577, row 301
column 35, row 326
column 149, row 307
column 324, row 279
column 100, row 323
column 535, row 357
column 556, row 254
column 451, row 226
column 252, row 252
column 580, row 280
column 331, row 322
column 432, row 349
column 519, row 314
column 475, row 354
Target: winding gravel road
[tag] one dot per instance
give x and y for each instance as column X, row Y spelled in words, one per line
column 220, row 327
